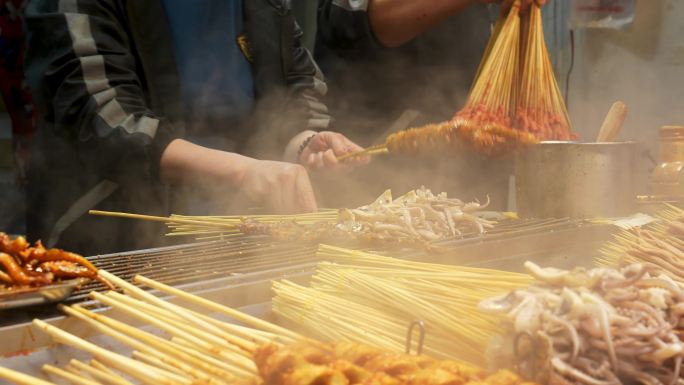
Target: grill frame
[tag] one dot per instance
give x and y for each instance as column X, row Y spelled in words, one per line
column 549, row 243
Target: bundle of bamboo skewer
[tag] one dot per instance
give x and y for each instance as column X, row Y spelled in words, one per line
column 199, row 349
column 540, row 108
column 514, row 100
column 414, row 219
column 659, row 246
column 214, row 227
column 381, row 296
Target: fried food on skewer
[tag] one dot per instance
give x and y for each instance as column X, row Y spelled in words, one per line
column 349, row 363
column 489, row 138
column 515, row 99
column 24, row 265
column 4, row 278
column 20, row 276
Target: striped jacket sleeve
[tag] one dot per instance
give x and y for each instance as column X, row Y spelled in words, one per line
column 82, row 69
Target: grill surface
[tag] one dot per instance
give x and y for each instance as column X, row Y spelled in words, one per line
column 246, row 254
column 201, row 261
column 242, row 254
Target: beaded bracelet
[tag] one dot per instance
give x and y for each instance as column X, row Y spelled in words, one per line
column 304, row 144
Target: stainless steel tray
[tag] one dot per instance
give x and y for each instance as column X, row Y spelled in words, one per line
column 12, row 299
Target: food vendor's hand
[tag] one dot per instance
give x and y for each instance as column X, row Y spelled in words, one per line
column 322, row 149
column 283, row 187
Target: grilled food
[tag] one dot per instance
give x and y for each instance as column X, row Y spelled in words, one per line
column 486, row 138
column 417, row 217
column 515, row 100
column 23, row 265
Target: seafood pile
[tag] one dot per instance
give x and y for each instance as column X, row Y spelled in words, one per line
column 416, row 217
column 351, row 363
column 23, row 265
column 601, row 326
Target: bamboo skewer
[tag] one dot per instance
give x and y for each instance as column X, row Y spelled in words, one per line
column 152, row 345
column 232, row 356
column 166, row 318
column 154, row 361
column 177, row 311
column 381, row 296
column 101, row 367
column 98, row 374
column 21, row 378
column 213, row 306
column 173, row 319
column 142, row 372
column 71, row 377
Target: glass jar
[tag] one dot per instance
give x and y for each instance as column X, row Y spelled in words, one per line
column 667, row 177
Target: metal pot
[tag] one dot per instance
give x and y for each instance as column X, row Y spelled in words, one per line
column 577, row 180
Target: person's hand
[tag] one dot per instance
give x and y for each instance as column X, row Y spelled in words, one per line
column 282, row 187
column 322, row 150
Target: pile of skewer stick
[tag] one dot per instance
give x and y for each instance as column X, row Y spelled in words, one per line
column 216, row 227
column 659, row 245
column 514, row 101
column 200, row 349
column 369, row 298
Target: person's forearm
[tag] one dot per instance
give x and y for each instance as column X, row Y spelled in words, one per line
column 395, row 22
column 183, row 161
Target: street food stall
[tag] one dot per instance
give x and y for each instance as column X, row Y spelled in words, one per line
column 579, row 281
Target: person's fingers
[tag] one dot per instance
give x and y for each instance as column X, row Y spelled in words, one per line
column 329, row 159
column 337, row 143
column 304, row 192
column 351, row 146
column 320, row 163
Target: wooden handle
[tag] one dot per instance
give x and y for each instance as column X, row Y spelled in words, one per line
column 613, row 122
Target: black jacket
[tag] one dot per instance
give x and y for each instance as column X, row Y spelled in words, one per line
column 106, row 85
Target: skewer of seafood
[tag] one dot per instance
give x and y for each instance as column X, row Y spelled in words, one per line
column 594, row 327
column 657, row 246
column 413, row 219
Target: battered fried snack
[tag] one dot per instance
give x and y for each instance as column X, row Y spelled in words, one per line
column 487, row 138
column 348, row 363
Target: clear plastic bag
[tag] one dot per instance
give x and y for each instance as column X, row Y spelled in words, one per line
column 611, row 14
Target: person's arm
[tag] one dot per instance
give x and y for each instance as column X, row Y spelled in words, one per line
column 83, row 73
column 312, row 145
column 395, row 22
column 390, row 23
column 282, row 187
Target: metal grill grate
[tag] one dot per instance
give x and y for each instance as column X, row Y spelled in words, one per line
column 201, row 261
column 246, row 254
column 236, row 255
